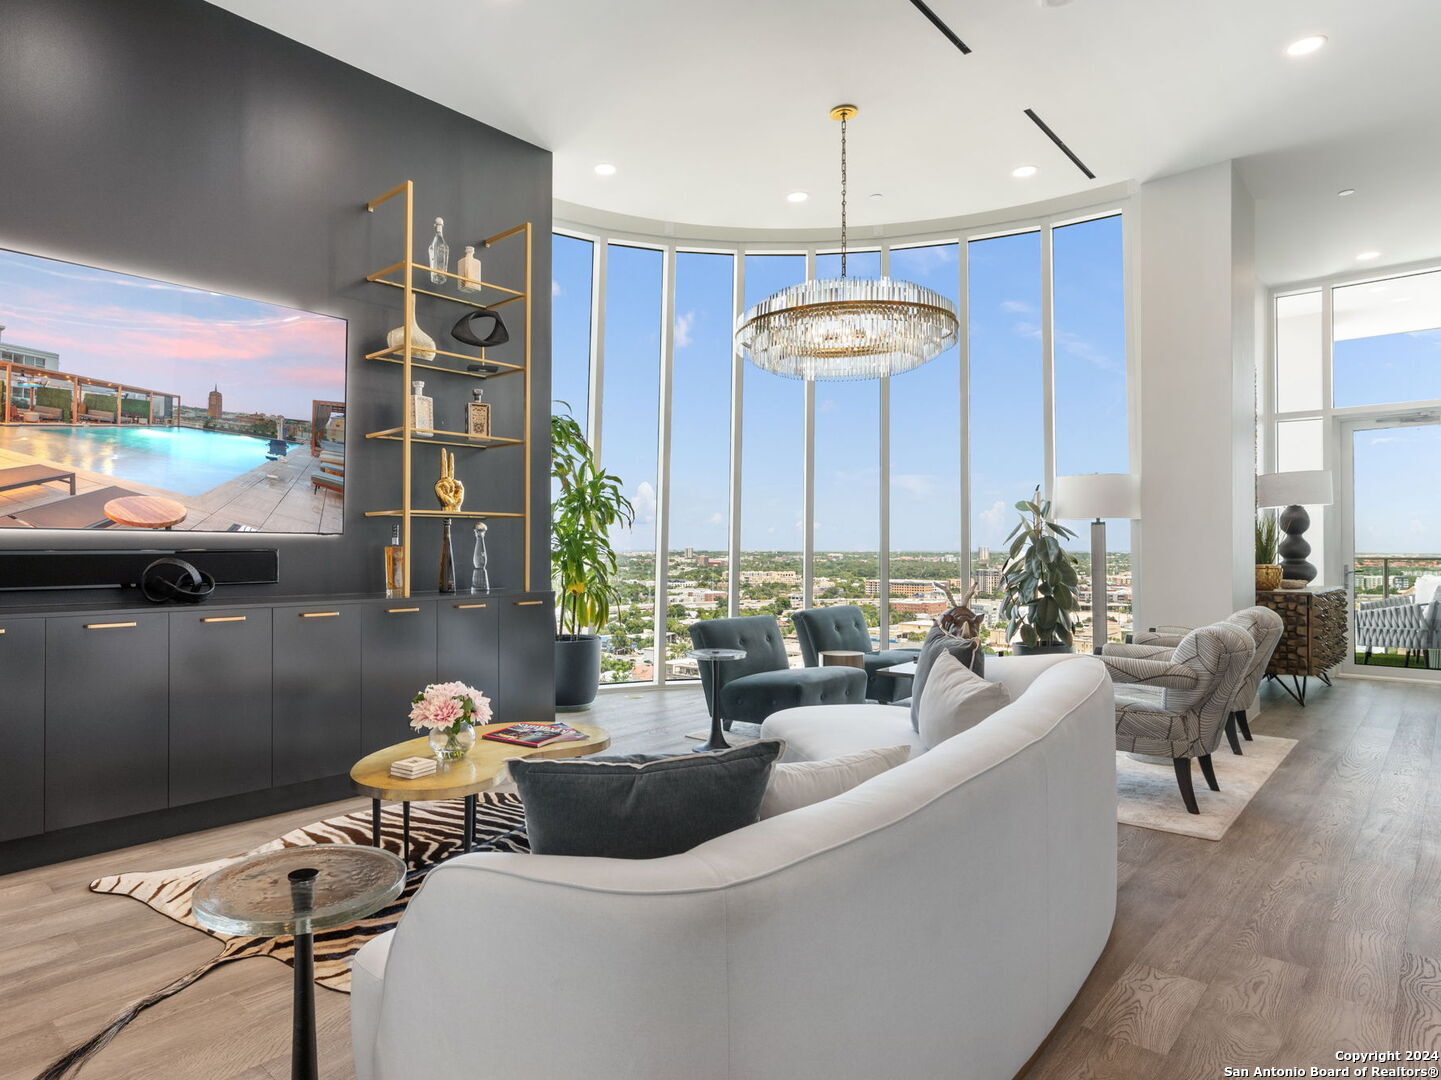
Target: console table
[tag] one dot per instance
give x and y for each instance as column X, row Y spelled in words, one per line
column 1314, row 638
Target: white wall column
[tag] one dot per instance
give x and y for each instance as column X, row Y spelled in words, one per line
column 1197, row 365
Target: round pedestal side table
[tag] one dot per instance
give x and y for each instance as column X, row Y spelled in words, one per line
column 715, row 658
column 843, row 658
column 299, row 891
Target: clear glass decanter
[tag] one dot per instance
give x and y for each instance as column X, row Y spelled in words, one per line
column 439, row 253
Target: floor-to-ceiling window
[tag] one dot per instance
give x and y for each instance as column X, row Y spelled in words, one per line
column 846, row 531
column 572, row 274
column 629, row 434
column 1354, row 388
column 926, row 494
column 944, row 452
column 1092, row 429
column 773, row 445
column 1007, row 400
column 700, row 458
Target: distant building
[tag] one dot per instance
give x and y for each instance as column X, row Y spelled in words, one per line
column 11, row 353
column 988, row 579
column 770, row 577
column 919, row 607
column 904, row 587
column 983, row 555
column 215, row 406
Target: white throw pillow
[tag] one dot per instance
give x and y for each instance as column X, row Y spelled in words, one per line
column 955, row 699
column 794, row 784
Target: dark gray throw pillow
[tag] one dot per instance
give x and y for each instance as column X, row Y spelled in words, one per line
column 641, row 806
column 965, row 650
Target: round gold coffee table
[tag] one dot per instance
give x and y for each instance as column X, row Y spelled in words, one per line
column 482, row 768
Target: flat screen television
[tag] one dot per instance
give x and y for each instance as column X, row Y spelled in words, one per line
column 128, row 403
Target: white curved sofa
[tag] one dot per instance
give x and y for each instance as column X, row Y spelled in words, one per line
column 933, row 922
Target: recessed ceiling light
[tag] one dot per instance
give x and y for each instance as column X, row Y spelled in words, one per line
column 1367, row 256
column 1345, row 191
column 797, row 196
column 605, row 169
column 1020, row 172
column 877, row 195
column 1306, row 45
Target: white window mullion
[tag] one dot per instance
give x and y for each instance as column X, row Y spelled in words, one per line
column 1048, row 367
column 808, row 518
column 662, row 477
column 883, row 553
column 601, row 258
column 733, row 555
column 963, row 346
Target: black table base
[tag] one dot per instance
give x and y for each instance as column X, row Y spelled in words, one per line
column 304, row 1061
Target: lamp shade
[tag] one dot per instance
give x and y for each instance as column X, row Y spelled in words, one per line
column 1310, row 487
column 1097, row 495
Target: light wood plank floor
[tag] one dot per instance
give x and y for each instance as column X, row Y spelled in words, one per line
column 1314, row 926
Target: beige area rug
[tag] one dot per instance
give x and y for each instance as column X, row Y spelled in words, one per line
column 1150, row 799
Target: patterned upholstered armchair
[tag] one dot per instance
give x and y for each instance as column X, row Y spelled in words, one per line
column 844, row 627
column 1265, row 628
column 1197, row 682
column 1398, row 622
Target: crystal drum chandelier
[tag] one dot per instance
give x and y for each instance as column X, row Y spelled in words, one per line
column 847, row 328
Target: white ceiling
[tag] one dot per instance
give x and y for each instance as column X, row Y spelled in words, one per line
column 712, row 112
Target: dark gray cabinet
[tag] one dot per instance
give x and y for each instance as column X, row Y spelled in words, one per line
column 527, row 670
column 315, row 721
column 397, row 660
column 467, row 643
column 121, row 712
column 22, row 727
column 220, row 691
column 106, row 717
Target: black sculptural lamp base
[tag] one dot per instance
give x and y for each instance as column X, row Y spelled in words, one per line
column 1294, row 521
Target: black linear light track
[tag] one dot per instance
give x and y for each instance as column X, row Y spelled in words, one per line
column 1077, row 162
column 940, row 25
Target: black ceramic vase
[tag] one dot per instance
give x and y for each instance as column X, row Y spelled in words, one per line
column 1294, row 521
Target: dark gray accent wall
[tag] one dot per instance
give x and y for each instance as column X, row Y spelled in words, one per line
column 175, row 140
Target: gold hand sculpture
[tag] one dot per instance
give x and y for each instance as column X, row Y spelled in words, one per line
column 449, row 490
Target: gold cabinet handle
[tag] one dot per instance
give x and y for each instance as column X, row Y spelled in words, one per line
column 401, row 610
column 108, row 625
column 319, row 614
column 224, row 618
column 459, row 607
column 528, row 603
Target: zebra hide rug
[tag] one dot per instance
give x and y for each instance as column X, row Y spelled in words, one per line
column 435, row 835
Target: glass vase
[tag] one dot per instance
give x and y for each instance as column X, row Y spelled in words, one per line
column 452, row 743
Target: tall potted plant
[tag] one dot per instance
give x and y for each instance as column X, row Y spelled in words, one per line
column 1040, row 582
column 588, row 503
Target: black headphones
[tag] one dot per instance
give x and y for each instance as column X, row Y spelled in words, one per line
column 175, row 579
column 498, row 334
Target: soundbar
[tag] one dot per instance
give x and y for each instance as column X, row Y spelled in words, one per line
column 122, row 569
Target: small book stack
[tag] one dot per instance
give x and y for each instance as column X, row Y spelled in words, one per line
column 412, row 768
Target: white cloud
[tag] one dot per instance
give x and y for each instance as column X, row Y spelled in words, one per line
column 683, row 323
column 826, row 405
column 644, row 502
column 1082, row 349
column 995, row 515
column 916, row 485
column 1026, row 329
column 1016, row 306
column 555, row 289
column 716, row 519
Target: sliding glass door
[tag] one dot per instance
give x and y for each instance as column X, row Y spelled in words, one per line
column 1391, row 529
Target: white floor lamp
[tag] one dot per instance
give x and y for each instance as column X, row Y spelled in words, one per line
column 1098, row 496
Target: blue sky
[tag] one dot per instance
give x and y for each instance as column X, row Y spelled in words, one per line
column 926, row 500
column 173, row 339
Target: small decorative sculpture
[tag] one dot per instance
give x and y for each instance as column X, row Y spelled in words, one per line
column 960, row 620
column 449, row 490
column 480, row 561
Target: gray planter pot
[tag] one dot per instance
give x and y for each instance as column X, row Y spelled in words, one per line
column 577, row 670
column 1018, row 649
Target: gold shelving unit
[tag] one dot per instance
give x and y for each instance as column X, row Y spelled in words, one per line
column 401, row 275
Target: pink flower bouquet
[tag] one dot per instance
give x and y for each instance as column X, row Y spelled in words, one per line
column 449, row 712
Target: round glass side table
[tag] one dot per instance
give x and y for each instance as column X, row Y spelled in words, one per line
column 715, row 657
column 299, row 891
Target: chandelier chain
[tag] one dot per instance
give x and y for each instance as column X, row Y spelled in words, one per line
column 843, row 196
